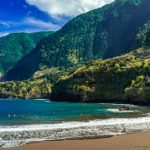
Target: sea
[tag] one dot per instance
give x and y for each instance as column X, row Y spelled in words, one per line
column 28, row 121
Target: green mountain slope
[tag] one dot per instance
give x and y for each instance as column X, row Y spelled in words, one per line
column 121, row 79
column 102, row 33
column 125, row 78
column 16, row 45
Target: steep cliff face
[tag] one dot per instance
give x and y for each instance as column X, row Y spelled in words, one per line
column 102, row 33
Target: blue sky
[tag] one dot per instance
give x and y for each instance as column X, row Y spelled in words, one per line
column 41, row 15
column 19, row 16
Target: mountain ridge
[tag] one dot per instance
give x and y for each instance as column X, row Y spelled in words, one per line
column 102, row 33
column 16, row 45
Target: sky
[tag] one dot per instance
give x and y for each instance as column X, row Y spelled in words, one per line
column 41, row 15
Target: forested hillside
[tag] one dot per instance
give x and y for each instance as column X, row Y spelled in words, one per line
column 16, row 45
column 102, row 33
column 121, row 79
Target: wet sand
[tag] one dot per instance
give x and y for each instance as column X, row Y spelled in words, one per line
column 136, row 141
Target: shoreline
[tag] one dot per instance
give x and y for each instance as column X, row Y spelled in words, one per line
column 19, row 135
column 134, row 141
column 142, row 104
column 118, row 122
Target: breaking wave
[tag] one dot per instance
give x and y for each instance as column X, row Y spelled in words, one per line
column 12, row 136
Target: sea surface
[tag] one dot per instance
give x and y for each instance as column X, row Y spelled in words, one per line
column 26, row 121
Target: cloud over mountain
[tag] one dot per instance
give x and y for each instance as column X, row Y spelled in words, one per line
column 31, row 25
column 70, row 8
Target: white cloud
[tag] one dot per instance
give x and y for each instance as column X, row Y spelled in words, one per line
column 4, row 24
column 37, row 25
column 30, row 21
column 3, row 34
column 67, row 7
column 40, row 24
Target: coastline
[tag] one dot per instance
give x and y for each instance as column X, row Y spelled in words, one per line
column 135, row 141
column 22, row 128
column 13, row 136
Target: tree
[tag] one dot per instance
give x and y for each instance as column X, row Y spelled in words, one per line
column 144, row 35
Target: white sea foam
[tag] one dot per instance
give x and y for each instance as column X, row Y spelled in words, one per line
column 116, row 104
column 41, row 99
column 11, row 136
column 122, row 111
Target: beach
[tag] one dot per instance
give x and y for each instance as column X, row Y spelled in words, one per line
column 53, row 121
column 136, row 141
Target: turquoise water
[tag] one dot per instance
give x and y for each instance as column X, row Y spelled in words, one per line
column 26, row 121
column 44, row 111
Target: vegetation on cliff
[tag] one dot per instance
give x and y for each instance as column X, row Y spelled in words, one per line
column 124, row 78
column 139, row 90
column 26, row 89
column 121, row 79
column 143, row 35
column 39, row 86
column 102, row 33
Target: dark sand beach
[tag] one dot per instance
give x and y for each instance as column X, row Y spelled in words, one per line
column 136, row 141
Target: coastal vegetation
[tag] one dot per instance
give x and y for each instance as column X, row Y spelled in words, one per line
column 124, row 78
column 121, row 79
column 25, row 89
column 39, row 86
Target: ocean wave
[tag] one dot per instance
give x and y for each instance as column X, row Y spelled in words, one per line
column 12, row 136
column 41, row 99
column 123, row 111
column 117, row 104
